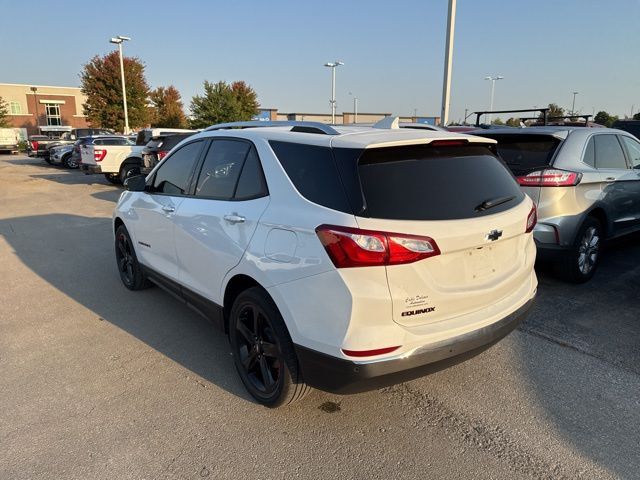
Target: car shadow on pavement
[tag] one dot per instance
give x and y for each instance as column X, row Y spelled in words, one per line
column 587, row 396
column 108, row 195
column 71, row 177
column 88, row 275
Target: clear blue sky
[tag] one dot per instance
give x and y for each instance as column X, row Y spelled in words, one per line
column 393, row 51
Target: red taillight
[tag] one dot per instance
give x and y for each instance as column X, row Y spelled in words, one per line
column 532, row 219
column 161, row 154
column 34, row 145
column 99, row 154
column 352, row 247
column 448, row 143
column 550, row 178
column 369, row 353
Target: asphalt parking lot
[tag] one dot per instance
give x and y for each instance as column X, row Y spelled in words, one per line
column 100, row 382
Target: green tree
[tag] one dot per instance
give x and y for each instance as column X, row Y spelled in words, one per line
column 603, row 118
column 554, row 111
column 100, row 81
column 513, row 122
column 168, row 110
column 247, row 100
column 636, row 116
column 222, row 102
column 497, row 121
column 4, row 113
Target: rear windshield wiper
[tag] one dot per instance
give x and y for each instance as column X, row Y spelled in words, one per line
column 493, row 202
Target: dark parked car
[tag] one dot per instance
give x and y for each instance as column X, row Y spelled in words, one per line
column 631, row 126
column 157, row 149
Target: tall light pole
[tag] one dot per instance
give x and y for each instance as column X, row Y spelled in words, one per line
column 333, row 66
column 573, row 104
column 448, row 59
column 119, row 40
column 35, row 100
column 493, row 86
column 355, row 108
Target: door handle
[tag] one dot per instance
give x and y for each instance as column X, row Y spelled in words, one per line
column 234, row 218
column 610, row 179
column 168, row 209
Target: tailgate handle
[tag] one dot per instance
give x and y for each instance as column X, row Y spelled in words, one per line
column 168, row 209
column 610, row 179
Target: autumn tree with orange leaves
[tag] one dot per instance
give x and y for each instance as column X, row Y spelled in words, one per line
column 101, row 83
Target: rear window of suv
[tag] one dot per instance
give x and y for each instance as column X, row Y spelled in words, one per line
column 400, row 183
column 434, row 183
column 525, row 153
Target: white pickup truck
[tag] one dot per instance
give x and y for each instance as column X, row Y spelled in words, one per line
column 115, row 162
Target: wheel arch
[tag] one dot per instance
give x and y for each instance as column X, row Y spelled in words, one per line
column 234, row 287
column 116, row 224
column 600, row 214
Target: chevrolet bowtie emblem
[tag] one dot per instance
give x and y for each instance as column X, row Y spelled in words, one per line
column 494, row 235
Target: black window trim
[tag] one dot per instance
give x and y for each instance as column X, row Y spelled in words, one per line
column 200, row 164
column 190, row 186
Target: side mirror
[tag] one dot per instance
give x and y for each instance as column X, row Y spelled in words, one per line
column 136, row 184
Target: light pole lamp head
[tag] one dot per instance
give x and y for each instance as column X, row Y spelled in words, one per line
column 117, row 41
column 34, row 89
column 122, row 37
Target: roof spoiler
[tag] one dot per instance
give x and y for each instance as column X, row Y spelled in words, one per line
column 388, row 123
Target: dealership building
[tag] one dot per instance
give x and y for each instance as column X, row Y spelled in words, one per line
column 53, row 109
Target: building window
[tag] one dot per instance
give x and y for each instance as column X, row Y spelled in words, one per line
column 52, row 111
column 15, row 108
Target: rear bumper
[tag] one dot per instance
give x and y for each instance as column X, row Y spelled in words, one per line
column 338, row 375
column 90, row 169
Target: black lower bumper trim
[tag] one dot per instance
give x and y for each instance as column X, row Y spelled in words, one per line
column 338, row 375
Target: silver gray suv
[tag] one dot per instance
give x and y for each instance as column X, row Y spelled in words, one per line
column 585, row 183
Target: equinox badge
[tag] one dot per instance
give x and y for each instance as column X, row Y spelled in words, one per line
column 494, row 235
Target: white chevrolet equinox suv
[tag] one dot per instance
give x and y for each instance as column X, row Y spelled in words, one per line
column 335, row 257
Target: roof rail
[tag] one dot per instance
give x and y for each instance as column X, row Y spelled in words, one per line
column 303, row 127
column 543, row 111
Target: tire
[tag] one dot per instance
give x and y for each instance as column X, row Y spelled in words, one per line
column 48, row 160
column 68, row 163
column 112, row 178
column 263, row 352
column 131, row 272
column 579, row 264
column 129, row 170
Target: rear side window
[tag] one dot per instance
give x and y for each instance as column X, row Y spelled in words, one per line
column 524, row 154
column 313, row 172
column 431, row 183
column 609, row 152
column 172, row 178
column 251, row 183
column 221, row 169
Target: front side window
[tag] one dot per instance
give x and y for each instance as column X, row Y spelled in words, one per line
column 52, row 111
column 221, row 169
column 609, row 152
column 172, row 178
column 633, row 151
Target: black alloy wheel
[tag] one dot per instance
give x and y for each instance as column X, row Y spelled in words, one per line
column 258, row 348
column 129, row 269
column 263, row 351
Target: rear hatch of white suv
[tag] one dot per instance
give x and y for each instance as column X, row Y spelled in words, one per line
column 452, row 222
